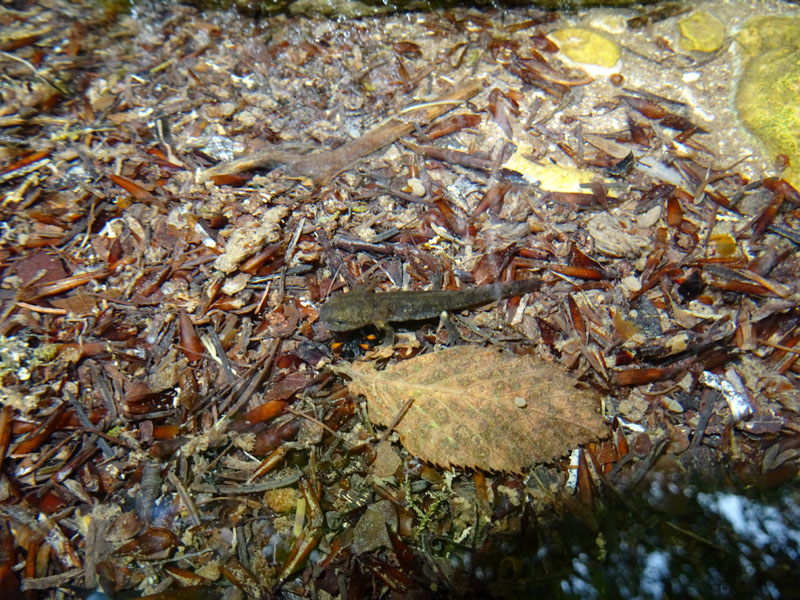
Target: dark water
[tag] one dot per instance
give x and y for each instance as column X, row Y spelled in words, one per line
column 662, row 541
column 725, row 546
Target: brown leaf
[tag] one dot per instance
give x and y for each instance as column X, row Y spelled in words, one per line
column 191, row 344
column 40, row 267
column 499, row 112
column 649, row 109
column 133, row 188
column 153, row 541
column 479, row 407
column 40, row 435
column 266, row 411
column 24, row 162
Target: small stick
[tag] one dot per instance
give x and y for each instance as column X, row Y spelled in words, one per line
column 321, row 166
column 396, row 421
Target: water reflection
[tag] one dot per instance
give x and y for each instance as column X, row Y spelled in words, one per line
column 725, row 545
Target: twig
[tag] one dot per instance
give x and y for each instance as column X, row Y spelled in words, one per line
column 321, row 166
column 643, row 467
column 185, row 498
column 51, row 582
column 250, row 488
column 465, row 159
column 84, row 419
column 261, row 371
column 316, row 421
column 35, row 71
column 42, row 309
column 709, row 399
column 396, row 421
column 223, row 358
column 287, row 258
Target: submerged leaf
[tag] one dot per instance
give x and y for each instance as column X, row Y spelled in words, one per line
column 480, row 407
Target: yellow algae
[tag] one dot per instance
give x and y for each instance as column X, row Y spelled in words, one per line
column 587, row 47
column 768, row 92
column 550, row 177
column 701, row 31
column 725, row 244
column 768, row 103
column 760, row 34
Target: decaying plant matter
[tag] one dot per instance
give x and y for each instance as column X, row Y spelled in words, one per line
column 512, row 411
column 321, row 166
column 181, row 192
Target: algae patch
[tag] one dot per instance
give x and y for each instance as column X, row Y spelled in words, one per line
column 701, row 32
column 550, row 177
column 764, row 33
column 768, row 93
column 587, row 47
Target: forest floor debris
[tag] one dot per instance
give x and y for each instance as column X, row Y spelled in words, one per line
column 182, row 191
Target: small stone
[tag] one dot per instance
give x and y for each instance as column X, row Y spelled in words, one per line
column 415, row 186
column 246, row 240
column 633, row 408
column 587, row 47
column 701, row 32
column 226, row 109
column 679, row 439
column 235, row 284
column 520, row 402
column 640, row 445
column 671, row 404
column 370, row 532
column 387, row 461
